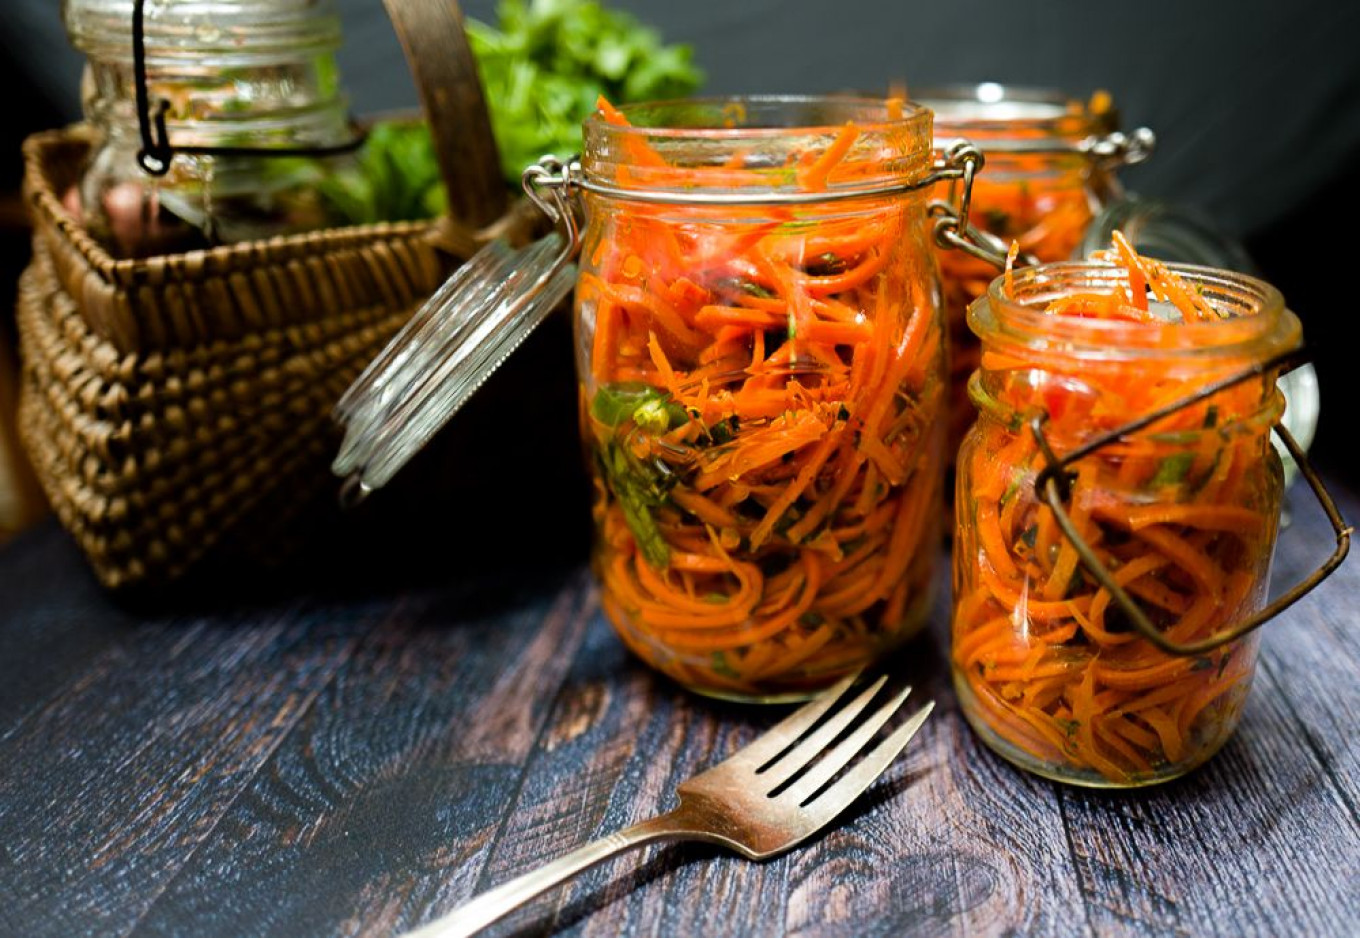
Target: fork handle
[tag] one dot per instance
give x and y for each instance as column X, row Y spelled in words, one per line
column 473, row 916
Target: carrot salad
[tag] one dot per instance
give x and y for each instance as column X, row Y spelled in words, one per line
column 1184, row 514
column 761, row 392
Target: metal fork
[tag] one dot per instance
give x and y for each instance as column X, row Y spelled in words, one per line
column 756, row 802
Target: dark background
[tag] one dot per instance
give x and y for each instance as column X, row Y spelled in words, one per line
column 1256, row 105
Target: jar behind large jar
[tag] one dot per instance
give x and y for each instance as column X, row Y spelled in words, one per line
column 256, row 74
column 1050, row 171
column 762, row 383
column 1048, row 666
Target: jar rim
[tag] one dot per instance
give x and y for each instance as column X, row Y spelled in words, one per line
column 753, row 142
column 644, row 116
column 1260, row 326
column 997, row 111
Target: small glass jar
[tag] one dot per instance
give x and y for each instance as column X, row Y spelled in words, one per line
column 762, row 386
column 1050, row 171
column 249, row 75
column 1185, row 513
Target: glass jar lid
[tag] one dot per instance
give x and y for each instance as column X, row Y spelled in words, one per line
column 447, row 350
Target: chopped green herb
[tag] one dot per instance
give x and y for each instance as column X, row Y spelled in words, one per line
column 639, row 489
column 1172, row 470
column 651, row 409
column 720, row 666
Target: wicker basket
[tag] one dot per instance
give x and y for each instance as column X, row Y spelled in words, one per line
column 171, row 403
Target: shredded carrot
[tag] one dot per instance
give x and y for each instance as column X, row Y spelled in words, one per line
column 815, row 178
column 763, row 400
column 1011, row 255
column 1177, row 513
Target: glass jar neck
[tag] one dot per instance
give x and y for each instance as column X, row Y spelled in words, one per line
column 1034, row 360
column 261, row 74
column 245, row 33
column 764, row 145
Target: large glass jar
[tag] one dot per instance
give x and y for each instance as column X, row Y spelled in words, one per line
column 1050, row 170
column 1184, row 514
column 235, row 76
column 762, row 385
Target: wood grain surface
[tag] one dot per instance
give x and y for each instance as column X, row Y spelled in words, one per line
column 355, row 762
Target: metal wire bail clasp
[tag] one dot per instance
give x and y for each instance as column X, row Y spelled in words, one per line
column 952, row 228
column 552, row 184
column 1053, row 484
column 1120, row 149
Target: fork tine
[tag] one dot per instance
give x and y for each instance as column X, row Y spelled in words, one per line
column 777, row 738
column 807, row 750
column 835, row 760
column 839, row 796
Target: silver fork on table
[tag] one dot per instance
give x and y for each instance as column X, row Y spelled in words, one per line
column 756, row 802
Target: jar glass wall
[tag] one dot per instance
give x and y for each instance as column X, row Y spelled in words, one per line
column 1185, row 513
column 762, row 386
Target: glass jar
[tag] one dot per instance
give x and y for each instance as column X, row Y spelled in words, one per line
column 239, row 85
column 1048, row 668
column 761, row 359
column 761, row 386
column 1050, row 170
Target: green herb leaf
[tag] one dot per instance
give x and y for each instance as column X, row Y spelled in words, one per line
column 720, row 666
column 549, row 60
column 1172, row 470
column 615, row 404
column 639, row 489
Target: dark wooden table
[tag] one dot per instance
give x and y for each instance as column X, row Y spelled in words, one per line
column 354, row 762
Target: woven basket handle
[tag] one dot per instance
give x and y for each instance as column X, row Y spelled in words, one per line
column 440, row 59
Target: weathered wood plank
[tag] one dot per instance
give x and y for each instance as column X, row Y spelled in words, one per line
column 53, row 620
column 1313, row 653
column 389, row 792
column 109, row 785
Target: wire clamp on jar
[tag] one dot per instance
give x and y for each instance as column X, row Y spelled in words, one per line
column 1053, row 484
column 1120, row 149
column 953, row 228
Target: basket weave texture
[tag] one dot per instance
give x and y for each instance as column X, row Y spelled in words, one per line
column 172, row 402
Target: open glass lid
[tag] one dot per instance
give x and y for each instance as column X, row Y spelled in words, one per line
column 449, row 348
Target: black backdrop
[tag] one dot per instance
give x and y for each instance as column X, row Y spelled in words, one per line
column 1256, row 104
